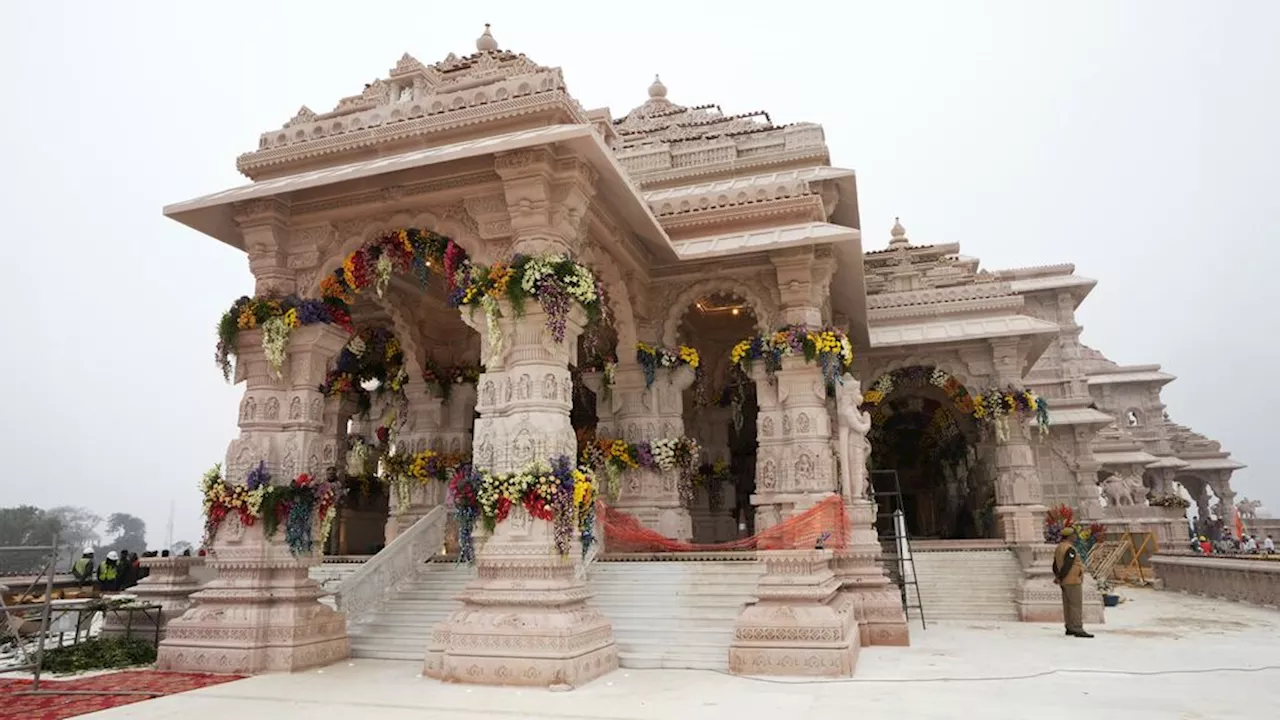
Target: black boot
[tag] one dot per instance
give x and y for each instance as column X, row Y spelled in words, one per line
column 1080, row 634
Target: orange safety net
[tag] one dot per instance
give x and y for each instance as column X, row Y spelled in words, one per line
column 824, row 524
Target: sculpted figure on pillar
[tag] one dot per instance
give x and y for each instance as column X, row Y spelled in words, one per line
column 851, row 443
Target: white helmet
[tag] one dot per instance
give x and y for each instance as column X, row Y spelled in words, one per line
column 87, row 551
column 113, row 555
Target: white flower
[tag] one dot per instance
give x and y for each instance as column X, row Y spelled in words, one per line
column 275, row 343
column 382, row 272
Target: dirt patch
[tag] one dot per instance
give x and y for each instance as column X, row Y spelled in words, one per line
column 1144, row 633
column 1205, row 623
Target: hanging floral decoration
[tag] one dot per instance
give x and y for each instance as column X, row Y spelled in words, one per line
column 443, row 378
column 614, row 457
column 712, row 477
column 298, row 506
column 555, row 492
column 401, row 471
column 830, row 347
column 992, row 408
column 1170, row 501
column 409, row 250
column 553, row 280
column 652, row 357
column 276, row 317
column 1086, row 536
column 606, row 364
column 371, row 355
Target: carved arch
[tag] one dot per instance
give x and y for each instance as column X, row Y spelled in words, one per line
column 881, row 367
column 680, row 305
column 451, row 228
column 624, row 319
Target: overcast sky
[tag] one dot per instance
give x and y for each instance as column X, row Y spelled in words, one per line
column 1137, row 140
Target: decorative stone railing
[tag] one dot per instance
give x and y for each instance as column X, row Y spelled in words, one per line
column 364, row 589
column 1251, row 581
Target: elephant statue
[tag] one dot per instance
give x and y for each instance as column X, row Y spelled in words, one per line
column 1248, row 509
column 1121, row 490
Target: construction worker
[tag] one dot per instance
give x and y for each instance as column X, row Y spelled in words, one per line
column 109, row 573
column 82, row 569
column 1068, row 574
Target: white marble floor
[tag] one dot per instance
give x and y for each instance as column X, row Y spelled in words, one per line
column 1160, row 655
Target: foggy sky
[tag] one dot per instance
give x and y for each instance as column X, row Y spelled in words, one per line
column 1137, row 140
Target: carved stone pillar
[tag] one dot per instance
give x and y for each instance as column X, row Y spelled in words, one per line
column 169, row 585
column 802, row 623
column 524, row 619
column 635, row 412
column 863, row 578
column 262, row 613
column 431, row 423
column 795, row 467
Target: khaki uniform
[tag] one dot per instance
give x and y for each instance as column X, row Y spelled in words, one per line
column 1069, row 569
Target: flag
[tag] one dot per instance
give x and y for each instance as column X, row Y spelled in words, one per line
column 1239, row 525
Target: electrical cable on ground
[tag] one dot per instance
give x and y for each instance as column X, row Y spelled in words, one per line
column 1004, row 678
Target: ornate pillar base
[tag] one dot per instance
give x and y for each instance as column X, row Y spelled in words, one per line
column 524, row 619
column 1039, row 599
column 802, row 624
column 169, row 585
column 877, row 602
column 653, row 498
column 261, row 614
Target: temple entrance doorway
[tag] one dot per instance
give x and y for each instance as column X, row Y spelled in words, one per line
column 720, row 412
column 922, row 429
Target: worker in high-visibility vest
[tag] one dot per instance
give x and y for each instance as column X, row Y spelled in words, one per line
column 109, row 573
column 83, row 568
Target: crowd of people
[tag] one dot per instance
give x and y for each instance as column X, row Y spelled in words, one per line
column 117, row 573
column 1228, row 544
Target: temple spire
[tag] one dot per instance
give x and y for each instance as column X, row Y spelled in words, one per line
column 486, row 43
column 657, row 89
column 898, row 235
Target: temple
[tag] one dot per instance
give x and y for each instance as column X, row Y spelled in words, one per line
column 480, row 305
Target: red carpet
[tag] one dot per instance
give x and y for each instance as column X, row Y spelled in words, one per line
column 56, row 707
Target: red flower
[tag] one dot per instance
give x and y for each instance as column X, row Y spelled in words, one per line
column 302, row 480
column 383, row 434
column 504, row 508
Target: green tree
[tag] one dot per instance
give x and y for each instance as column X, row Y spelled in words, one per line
column 77, row 529
column 127, row 533
column 25, row 525
column 182, row 546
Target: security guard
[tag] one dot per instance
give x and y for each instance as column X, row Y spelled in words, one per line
column 1068, row 572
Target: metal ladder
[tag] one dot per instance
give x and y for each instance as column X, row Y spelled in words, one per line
column 895, row 543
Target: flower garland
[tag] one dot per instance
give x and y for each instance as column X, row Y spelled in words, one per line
column 553, row 280
column 992, row 407
column 444, row 378
column 652, row 357
column 828, row 346
column 996, row 406
column 1170, row 501
column 614, row 457
column 297, row 505
column 402, row 470
column 370, row 354
column 277, row 317
column 556, row 492
column 409, row 250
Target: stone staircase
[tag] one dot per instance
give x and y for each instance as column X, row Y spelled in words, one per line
column 967, row 585
column 664, row 614
column 673, row 614
column 401, row 626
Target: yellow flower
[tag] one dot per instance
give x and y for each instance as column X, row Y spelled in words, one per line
column 646, row 349
column 247, row 321
column 404, row 240
column 291, row 318
column 690, row 355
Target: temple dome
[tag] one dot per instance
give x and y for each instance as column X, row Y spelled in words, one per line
column 486, row 42
column 657, row 89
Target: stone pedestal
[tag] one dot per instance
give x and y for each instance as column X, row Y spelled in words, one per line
column 877, row 600
column 168, row 585
column 653, row 498
column 524, row 619
column 802, row 624
column 261, row 614
column 795, row 466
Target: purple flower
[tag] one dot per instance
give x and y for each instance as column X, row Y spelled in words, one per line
column 258, row 477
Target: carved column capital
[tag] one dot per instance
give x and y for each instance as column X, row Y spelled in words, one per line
column 264, row 227
column 803, row 281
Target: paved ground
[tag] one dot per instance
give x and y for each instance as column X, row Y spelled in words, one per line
column 1160, row 655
